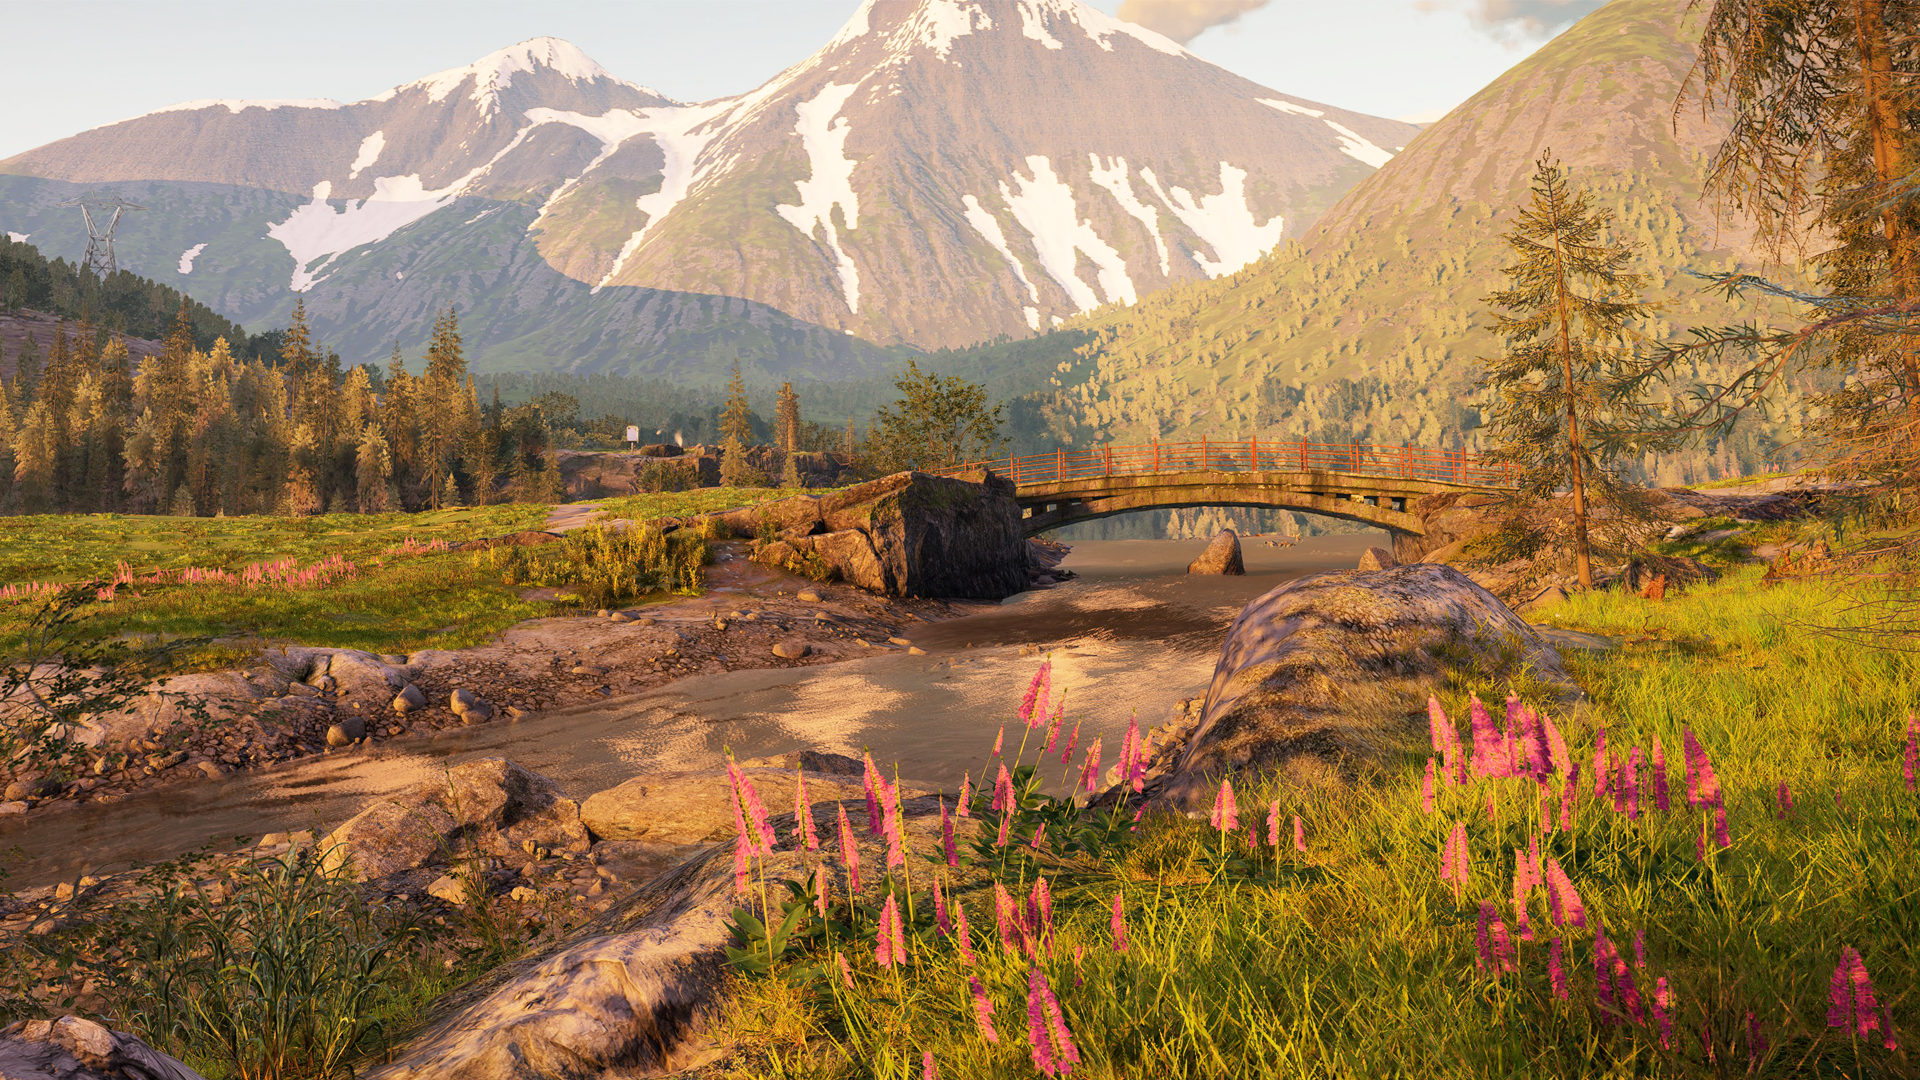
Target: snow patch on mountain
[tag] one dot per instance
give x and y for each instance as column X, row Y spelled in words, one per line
column 823, row 134
column 494, row 72
column 988, row 226
column 1033, row 24
column 612, row 129
column 1112, row 175
column 1352, row 143
column 17, row 237
column 1099, row 25
column 936, row 24
column 1044, row 206
column 370, row 149
column 1224, row 221
column 677, row 130
column 187, row 257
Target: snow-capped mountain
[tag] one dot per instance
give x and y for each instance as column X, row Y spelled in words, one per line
column 942, row 171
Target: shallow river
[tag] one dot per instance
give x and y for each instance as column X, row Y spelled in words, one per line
column 1131, row 634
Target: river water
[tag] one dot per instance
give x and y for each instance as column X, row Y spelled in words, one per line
column 1131, row 635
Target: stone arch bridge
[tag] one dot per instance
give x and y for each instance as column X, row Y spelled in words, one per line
column 1374, row 485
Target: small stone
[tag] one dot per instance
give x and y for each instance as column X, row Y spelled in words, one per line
column 395, row 730
column 523, row 894
column 63, row 891
column 448, row 889
column 408, row 699
column 273, row 839
column 603, row 613
column 325, row 682
column 808, row 596
column 863, row 643
column 902, row 642
column 392, row 658
column 1378, row 558
column 346, row 731
column 589, row 669
column 463, row 699
column 620, row 616
column 159, row 762
column 515, row 712
column 791, row 650
column 211, row 770
column 915, row 650
column 12, row 807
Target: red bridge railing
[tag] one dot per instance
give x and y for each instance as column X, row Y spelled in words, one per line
column 1251, row 455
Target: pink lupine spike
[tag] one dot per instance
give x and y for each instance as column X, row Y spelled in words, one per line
column 999, row 740
column 1118, row 924
column 1426, row 789
column 1783, row 799
column 1562, row 898
column 742, row 853
column 1910, row 762
column 1273, row 824
column 733, row 789
column 1046, row 1024
column 982, row 1010
column 846, row 973
column 896, row 840
column 1602, row 771
column 1495, row 947
column 1756, row 1041
column 849, row 850
column 1300, row 836
column 891, row 946
column 757, row 817
column 1534, row 738
column 1663, row 1011
column 1851, row 1003
column 1003, row 791
column 1454, row 862
column 1053, row 726
column 1490, row 756
column 1226, row 816
column 1006, row 918
column 1040, row 903
column 1557, row 752
column 1129, row 748
column 1630, row 785
column 1073, row 743
column 1039, row 841
column 1661, row 798
column 1703, row 787
column 965, row 809
column 928, row 1071
column 940, row 920
column 1090, row 776
column 1613, row 980
column 962, row 933
column 871, row 782
column 1438, row 726
column 1720, row 835
column 1557, row 969
column 804, row 831
column 1138, row 776
column 947, row 844
column 1492, row 814
column 820, row 891
column 1035, row 702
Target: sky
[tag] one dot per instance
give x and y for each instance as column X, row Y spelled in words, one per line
column 83, row 63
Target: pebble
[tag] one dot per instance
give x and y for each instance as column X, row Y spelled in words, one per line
column 915, row 650
column 791, row 650
column 408, row 699
column 158, row 762
column 10, row 808
column 346, row 731
column 523, row 894
column 589, row 669
column 900, row 641
column 620, row 616
column 809, row 596
column 446, row 888
column 211, row 770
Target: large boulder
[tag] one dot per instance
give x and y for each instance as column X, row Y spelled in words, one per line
column 72, row 1048
column 633, row 992
column 1221, row 557
column 491, row 806
column 909, row 534
column 1325, row 673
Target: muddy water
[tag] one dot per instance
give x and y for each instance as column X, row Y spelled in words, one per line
column 1131, row 634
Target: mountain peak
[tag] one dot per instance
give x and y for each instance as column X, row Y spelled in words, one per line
column 934, row 25
column 494, row 72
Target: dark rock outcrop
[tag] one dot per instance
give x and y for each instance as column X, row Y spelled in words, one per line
column 1221, row 557
column 72, row 1048
column 909, row 534
column 1328, row 672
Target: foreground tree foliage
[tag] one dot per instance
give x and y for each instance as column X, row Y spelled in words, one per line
column 1566, row 409
column 939, row 421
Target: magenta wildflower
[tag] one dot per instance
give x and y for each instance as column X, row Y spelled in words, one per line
column 1630, row 784
column 803, row 828
column 1073, row 743
column 1118, row 924
column 1053, row 1051
column 1851, row 1003
column 1226, row 816
column 928, row 1071
column 733, row 789
column 871, row 781
column 1426, row 789
column 1568, row 909
column 1663, row 1011
column 1756, row 1040
column 1783, row 798
column 757, row 817
column 849, row 851
column 982, row 1010
column 1003, row 791
column 1040, row 912
column 1138, row 776
column 896, row 842
column 1439, row 728
column 965, row 808
column 1557, row 968
column 999, row 740
column 1129, row 748
column 1533, row 737
column 1490, row 756
column 1300, row 836
column 1007, row 919
column 1495, row 948
column 1033, row 706
column 1273, row 824
column 1053, row 726
column 742, row 850
column 1454, row 860
column 1557, row 751
column 1613, row 981
column 891, row 945
column 1703, row 787
column 846, row 973
column 962, row 933
column 1090, row 776
column 1720, row 835
column 1601, row 770
column 1039, row 841
column 820, row 891
column 946, row 836
column 1910, row 765
column 940, row 920
column 1661, row 800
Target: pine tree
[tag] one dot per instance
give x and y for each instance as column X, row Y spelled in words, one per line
column 297, row 355
column 35, row 456
column 373, row 469
column 736, row 419
column 786, row 418
column 1565, row 411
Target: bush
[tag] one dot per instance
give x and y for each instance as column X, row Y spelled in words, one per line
column 657, row 477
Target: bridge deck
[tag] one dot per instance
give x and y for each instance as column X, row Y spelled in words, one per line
column 1251, row 455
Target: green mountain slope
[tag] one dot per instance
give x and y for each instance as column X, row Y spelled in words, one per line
column 1371, row 327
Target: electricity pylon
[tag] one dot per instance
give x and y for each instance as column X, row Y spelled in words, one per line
column 100, row 258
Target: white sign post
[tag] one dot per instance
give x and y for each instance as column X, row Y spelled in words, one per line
column 633, row 436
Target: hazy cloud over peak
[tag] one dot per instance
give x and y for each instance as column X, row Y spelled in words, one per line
column 1506, row 19
column 1182, row 20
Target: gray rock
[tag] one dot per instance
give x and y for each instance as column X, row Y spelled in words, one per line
column 491, row 805
column 71, row 1048
column 32, row 787
column 449, row 889
column 791, row 650
column 1324, row 674
column 161, row 762
column 808, row 596
column 470, row 707
column 11, row 807
column 1377, row 558
column 463, row 699
column 408, row 699
column 346, row 731
column 1221, row 557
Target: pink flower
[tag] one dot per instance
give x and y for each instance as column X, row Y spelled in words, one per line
column 999, row 740
column 733, row 789
column 891, row 945
column 1003, row 791
column 1703, row 787
column 1226, row 816
column 1557, row 969
column 803, row 828
column 1039, row 921
column 1053, row 1050
column 1533, row 736
column 870, row 780
column 1910, row 765
column 1438, row 726
column 1129, row 748
column 849, row 851
column 1073, row 743
column 1557, row 751
column 962, row 933
column 742, row 851
column 1756, row 1040
column 1426, row 789
column 1496, row 948
column 1300, row 835
column 940, row 920
column 1007, row 919
column 1053, row 725
column 1630, row 785
column 1039, row 841
column 846, row 973
column 757, row 816
column 1118, row 924
column 1490, row 757
column 1663, row 1011
column 1138, row 775
column 1090, row 776
column 946, row 836
column 965, row 809
column 1851, row 1003
column 927, row 1069
column 1033, row 706
column 1720, row 835
column 1568, row 909
column 1613, row 981
column 1660, row 796
column 890, row 811
column 1273, row 824
column 1783, row 797
column 982, row 1010
column 1602, row 773
column 820, row 891
column 1453, row 861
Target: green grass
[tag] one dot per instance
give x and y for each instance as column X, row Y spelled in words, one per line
column 1354, row 960
column 698, row 501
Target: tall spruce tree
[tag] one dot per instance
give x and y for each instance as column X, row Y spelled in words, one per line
column 1566, row 409
column 786, row 418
